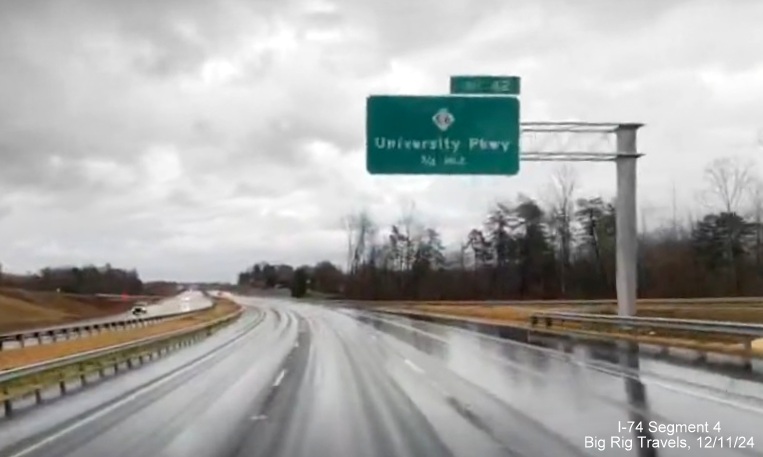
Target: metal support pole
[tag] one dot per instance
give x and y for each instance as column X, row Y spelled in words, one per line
column 626, row 228
column 635, row 392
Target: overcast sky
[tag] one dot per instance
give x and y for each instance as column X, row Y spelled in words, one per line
column 191, row 138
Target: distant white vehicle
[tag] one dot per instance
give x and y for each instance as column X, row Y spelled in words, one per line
column 139, row 310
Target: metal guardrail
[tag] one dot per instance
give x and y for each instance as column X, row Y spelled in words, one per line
column 742, row 333
column 699, row 326
column 644, row 301
column 122, row 297
column 29, row 380
column 68, row 332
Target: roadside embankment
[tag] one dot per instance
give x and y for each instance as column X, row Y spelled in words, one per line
column 34, row 354
column 22, row 309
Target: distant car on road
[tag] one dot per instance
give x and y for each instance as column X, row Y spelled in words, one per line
column 139, row 310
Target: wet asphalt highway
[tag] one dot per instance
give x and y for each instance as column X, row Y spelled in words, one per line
column 299, row 380
column 182, row 303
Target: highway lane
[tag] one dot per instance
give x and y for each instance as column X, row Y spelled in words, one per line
column 185, row 302
column 580, row 395
column 314, row 381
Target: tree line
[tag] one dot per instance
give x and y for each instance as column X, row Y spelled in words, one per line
column 87, row 279
column 324, row 277
column 561, row 248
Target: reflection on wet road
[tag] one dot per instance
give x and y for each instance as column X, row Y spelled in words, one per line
column 293, row 379
column 578, row 396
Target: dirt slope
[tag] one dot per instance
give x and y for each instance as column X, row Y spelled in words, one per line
column 34, row 354
column 20, row 309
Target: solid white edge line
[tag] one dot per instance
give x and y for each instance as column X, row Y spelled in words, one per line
column 280, row 377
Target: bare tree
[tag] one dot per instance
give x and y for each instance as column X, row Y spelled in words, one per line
column 349, row 224
column 462, row 255
column 563, row 185
column 360, row 237
column 674, row 212
column 411, row 231
column 728, row 181
column 645, row 211
column 755, row 191
column 364, row 239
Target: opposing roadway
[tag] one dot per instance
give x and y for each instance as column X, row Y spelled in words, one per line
column 292, row 379
column 185, row 302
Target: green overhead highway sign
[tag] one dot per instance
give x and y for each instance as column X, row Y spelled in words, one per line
column 485, row 85
column 442, row 135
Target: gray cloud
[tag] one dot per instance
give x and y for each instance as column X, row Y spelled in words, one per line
column 190, row 138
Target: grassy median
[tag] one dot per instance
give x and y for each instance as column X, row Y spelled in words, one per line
column 12, row 358
column 513, row 313
column 518, row 315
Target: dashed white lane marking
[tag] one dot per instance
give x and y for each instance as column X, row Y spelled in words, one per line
column 431, row 383
column 647, row 378
column 280, row 377
column 413, row 366
column 258, row 418
column 296, row 344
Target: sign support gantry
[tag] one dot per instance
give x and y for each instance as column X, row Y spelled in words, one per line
column 598, row 142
